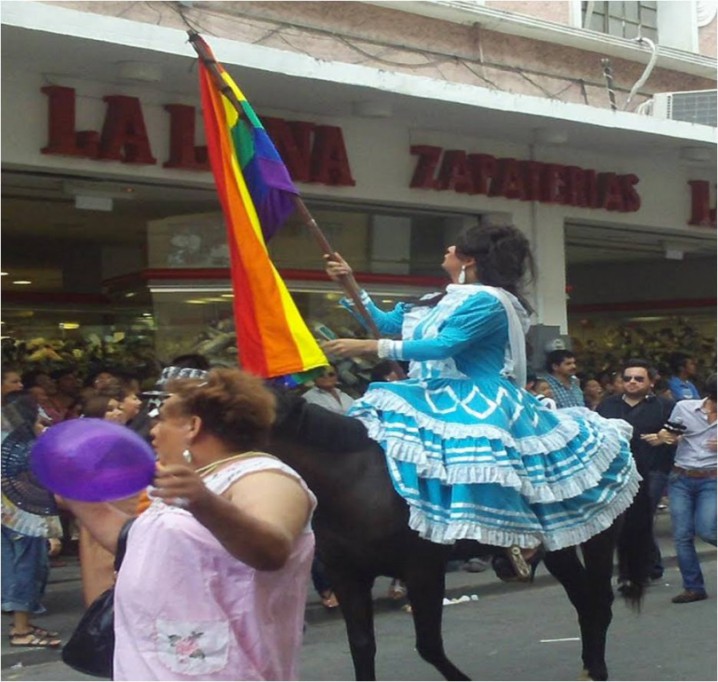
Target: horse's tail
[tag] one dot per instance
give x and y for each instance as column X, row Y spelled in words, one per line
column 635, row 547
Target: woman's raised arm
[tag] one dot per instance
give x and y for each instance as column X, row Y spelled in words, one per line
column 102, row 520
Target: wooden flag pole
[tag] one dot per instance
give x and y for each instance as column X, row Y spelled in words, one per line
column 347, row 282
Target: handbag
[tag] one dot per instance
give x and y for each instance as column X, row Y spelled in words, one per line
column 91, row 647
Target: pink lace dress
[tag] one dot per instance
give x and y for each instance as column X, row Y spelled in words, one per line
column 186, row 610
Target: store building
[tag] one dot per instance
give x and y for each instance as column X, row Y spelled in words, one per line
column 109, row 210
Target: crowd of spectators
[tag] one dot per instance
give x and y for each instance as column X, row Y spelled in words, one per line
column 602, row 349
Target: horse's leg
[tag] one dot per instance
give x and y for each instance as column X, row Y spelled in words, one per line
column 355, row 602
column 589, row 590
column 566, row 567
column 598, row 559
column 425, row 586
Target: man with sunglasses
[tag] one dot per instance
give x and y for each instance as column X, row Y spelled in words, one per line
column 652, row 451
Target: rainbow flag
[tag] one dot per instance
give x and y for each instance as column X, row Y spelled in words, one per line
column 257, row 197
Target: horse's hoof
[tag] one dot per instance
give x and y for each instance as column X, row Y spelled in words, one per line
column 585, row 675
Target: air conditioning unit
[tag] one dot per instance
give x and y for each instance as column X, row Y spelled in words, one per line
column 693, row 106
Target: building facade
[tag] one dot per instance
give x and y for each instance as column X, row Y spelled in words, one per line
column 591, row 126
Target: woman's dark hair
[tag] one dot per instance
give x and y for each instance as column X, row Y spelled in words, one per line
column 29, row 378
column 102, row 369
column 381, row 370
column 586, row 378
column 61, row 372
column 234, row 406
column 96, row 405
column 503, row 256
column 191, row 361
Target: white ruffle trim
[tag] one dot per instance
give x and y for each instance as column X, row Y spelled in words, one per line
column 552, row 540
column 387, row 401
column 582, row 473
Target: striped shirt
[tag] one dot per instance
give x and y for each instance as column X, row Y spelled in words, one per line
column 566, row 397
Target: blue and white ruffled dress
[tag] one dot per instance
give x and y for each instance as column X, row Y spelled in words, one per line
column 474, row 454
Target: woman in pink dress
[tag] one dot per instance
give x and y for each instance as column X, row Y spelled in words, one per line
column 213, row 585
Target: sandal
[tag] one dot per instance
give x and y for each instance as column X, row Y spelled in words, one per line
column 329, row 600
column 33, row 640
column 37, row 630
column 520, row 563
column 513, row 566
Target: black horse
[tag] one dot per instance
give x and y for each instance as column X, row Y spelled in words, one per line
column 362, row 531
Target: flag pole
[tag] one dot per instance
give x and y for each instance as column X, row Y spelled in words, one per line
column 347, row 282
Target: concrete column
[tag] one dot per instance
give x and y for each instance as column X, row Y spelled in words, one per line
column 544, row 226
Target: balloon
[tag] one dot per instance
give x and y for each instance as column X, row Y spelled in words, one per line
column 92, row 460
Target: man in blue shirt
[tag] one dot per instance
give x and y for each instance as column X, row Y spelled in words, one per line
column 683, row 367
column 560, row 375
column 692, row 486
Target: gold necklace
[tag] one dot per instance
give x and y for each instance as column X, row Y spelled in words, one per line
column 210, row 468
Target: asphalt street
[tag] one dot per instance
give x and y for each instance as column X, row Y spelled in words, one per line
column 531, row 634
column 498, row 631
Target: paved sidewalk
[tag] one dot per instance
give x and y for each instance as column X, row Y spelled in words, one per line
column 64, row 603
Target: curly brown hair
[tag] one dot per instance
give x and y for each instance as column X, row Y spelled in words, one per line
column 233, row 405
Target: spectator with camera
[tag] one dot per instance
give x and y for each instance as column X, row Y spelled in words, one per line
column 692, row 486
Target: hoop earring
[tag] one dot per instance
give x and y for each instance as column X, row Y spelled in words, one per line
column 187, row 455
column 461, row 279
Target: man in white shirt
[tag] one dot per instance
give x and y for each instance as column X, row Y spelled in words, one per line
column 692, row 486
column 326, row 393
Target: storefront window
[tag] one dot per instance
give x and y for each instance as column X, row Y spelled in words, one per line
column 83, row 335
column 372, row 240
column 198, row 318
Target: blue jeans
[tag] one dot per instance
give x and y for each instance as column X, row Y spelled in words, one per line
column 24, row 571
column 693, row 513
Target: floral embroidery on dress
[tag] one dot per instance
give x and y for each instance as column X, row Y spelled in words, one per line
column 193, row 648
column 187, row 647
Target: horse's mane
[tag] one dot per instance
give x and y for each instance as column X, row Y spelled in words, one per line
column 316, row 426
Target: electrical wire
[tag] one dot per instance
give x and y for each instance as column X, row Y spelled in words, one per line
column 646, row 72
column 351, row 41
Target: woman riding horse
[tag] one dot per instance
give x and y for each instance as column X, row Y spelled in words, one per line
column 474, row 455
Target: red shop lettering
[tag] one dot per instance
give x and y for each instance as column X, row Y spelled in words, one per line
column 702, row 214
column 312, row 153
column 550, row 183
